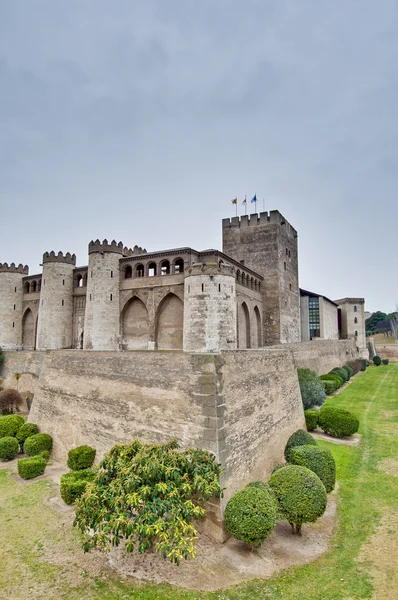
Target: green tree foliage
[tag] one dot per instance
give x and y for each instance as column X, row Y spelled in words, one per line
column 148, row 496
column 301, row 495
column 311, row 388
column 337, row 422
column 376, row 361
column 80, row 458
column 250, row 515
column 10, row 424
column 10, row 400
column 371, row 323
column 298, row 438
column 74, row 484
column 311, row 419
column 318, row 460
column 8, row 448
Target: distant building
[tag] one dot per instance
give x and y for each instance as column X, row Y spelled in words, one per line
column 319, row 319
column 352, row 321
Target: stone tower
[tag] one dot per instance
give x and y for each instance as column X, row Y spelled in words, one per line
column 54, row 326
column 209, row 308
column 352, row 322
column 102, row 316
column 267, row 244
column 11, row 294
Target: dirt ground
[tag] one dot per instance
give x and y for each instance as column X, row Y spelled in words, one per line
column 352, row 440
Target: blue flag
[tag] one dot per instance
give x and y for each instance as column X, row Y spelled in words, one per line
column 254, row 199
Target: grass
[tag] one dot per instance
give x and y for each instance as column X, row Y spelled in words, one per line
column 31, row 534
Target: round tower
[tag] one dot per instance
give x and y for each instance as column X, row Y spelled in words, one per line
column 54, row 326
column 102, row 316
column 209, row 308
column 11, row 295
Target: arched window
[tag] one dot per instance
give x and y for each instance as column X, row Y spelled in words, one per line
column 247, row 281
column 79, row 281
column 85, row 280
column 356, row 333
column 33, row 286
column 27, row 287
column 178, row 265
column 128, row 272
column 152, row 269
column 238, row 276
column 139, row 270
column 252, row 283
column 39, row 285
column 165, row 267
column 355, row 320
column 355, row 309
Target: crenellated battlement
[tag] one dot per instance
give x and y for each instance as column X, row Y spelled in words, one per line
column 51, row 257
column 113, row 246
column 264, row 218
column 12, row 268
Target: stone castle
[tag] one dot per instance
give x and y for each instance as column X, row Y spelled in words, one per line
column 180, row 299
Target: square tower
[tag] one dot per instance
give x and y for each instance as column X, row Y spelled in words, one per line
column 267, row 244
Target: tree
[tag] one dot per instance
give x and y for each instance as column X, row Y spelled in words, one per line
column 10, row 400
column 148, row 496
column 311, row 388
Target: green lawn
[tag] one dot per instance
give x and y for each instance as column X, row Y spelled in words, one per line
column 31, row 534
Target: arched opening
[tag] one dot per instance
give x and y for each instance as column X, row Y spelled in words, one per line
column 85, row 280
column 252, row 283
column 152, row 269
column 33, row 286
column 169, row 323
column 257, row 326
column 179, row 265
column 238, row 276
column 39, row 285
column 135, row 325
column 139, row 271
column 26, row 288
column 79, row 281
column 355, row 309
column 165, row 267
column 81, row 340
column 128, row 272
column 355, row 320
column 28, row 330
column 247, row 281
column 243, row 326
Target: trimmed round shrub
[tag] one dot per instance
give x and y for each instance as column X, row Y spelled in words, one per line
column 318, row 460
column 45, row 454
column 385, row 361
column 8, row 448
column 26, row 430
column 341, row 373
column 37, row 443
column 337, row 422
column 350, row 369
column 80, row 458
column 301, row 495
column 262, row 485
column 74, row 484
column 250, row 515
column 311, row 388
column 311, row 419
column 364, row 364
column 336, row 378
column 377, row 360
column 298, row 438
column 10, row 424
column 28, row 468
column 329, row 385
column 279, row 466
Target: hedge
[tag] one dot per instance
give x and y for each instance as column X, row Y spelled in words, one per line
column 298, row 438
column 377, row 360
column 81, row 458
column 385, row 361
column 318, row 460
column 337, row 422
column 341, row 373
column 348, row 371
column 279, row 466
column 329, row 385
column 336, row 378
column 10, row 424
column 28, row 468
column 8, row 448
column 311, row 419
column 311, row 388
column 300, row 493
column 74, row 484
column 37, row 443
column 26, row 430
column 250, row 515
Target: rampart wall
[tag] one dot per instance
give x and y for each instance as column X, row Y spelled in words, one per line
column 387, row 351
column 322, row 356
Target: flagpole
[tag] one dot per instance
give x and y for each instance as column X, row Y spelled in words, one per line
column 236, row 206
column 245, row 205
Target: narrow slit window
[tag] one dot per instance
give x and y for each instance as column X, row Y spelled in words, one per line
column 111, row 274
column 13, row 324
column 14, row 307
column 219, row 287
column 111, row 297
column 203, row 287
column 63, row 282
column 62, row 303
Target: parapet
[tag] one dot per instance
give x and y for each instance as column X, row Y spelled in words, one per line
column 210, row 268
column 12, row 268
column 51, row 257
column 350, row 301
column 264, row 218
column 105, row 246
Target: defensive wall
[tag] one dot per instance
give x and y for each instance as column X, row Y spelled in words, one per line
column 322, row 356
column 389, row 351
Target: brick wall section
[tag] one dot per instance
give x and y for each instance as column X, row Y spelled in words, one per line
column 11, row 310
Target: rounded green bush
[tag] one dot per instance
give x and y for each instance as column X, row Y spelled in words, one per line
column 336, row 378
column 311, row 419
column 74, row 484
column 329, row 385
column 318, row 460
column 348, row 371
column 298, row 438
column 311, row 388
column 337, row 422
column 26, row 430
column 250, row 515
column 341, row 373
column 8, row 448
column 81, row 458
column 377, row 360
column 28, row 468
column 10, row 424
column 37, row 443
column 45, row 454
column 300, row 493
column 385, row 361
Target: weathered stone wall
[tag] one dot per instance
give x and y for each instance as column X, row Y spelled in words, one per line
column 29, row 364
column 387, row 351
column 328, row 319
column 10, row 310
column 322, row 356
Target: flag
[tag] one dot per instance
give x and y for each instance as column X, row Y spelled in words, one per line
column 244, row 201
column 234, row 201
column 254, row 199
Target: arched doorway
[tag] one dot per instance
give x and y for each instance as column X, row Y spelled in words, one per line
column 169, row 323
column 135, row 325
column 243, row 326
column 28, row 330
column 257, row 328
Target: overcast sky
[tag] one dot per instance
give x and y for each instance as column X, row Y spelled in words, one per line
column 140, row 120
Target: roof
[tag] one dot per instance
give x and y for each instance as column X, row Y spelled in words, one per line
column 313, row 295
column 350, row 301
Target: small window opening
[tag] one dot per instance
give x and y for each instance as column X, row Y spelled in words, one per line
column 111, row 274
column 179, row 266
column 242, row 262
column 63, row 282
column 356, row 333
column 189, row 289
column 219, row 287
column 203, row 287
column 355, row 320
column 15, row 289
column 289, row 253
column 79, row 280
column 13, row 324
column 355, row 309
column 90, row 296
column 111, row 297
column 128, row 272
column 62, row 303
column 290, row 286
column 140, row 271
column 14, row 306
column 152, row 269
column 284, row 266
column 165, row 268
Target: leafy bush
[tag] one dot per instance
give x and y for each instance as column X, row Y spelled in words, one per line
column 45, row 454
column 337, row 422
column 250, row 515
column 356, row 365
column 8, row 448
column 341, row 373
column 348, row 371
column 26, row 430
column 298, row 438
column 149, row 497
column 301, row 495
column 336, row 378
column 311, row 388
column 364, row 364
column 81, row 458
column 385, row 361
column 376, row 361
column 28, row 468
column 10, row 400
column 279, row 466
column 311, row 419
column 329, row 385
column 74, row 484
column 10, row 424
column 37, row 443
column 318, row 460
